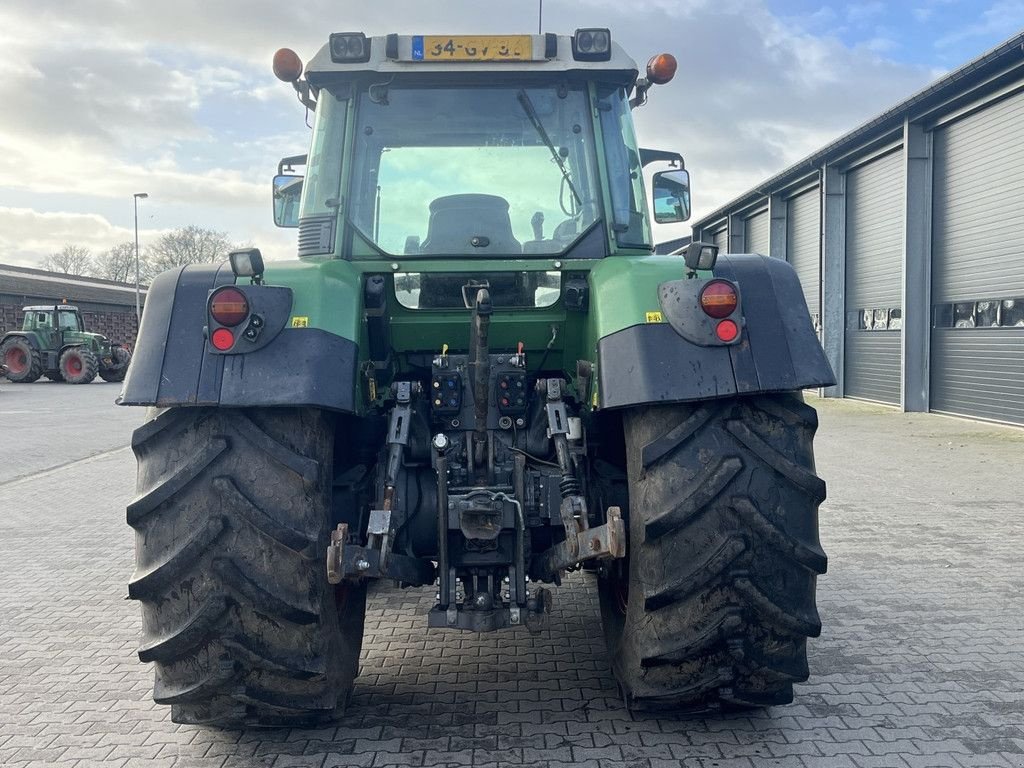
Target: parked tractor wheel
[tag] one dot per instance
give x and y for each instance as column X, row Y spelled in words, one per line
column 78, row 365
column 122, row 357
column 238, row 615
column 715, row 606
column 23, row 363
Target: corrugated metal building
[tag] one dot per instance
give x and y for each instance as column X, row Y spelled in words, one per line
column 908, row 239
column 107, row 307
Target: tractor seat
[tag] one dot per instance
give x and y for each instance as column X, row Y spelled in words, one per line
column 456, row 220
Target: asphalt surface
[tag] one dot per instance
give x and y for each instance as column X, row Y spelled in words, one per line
column 48, row 424
column 921, row 662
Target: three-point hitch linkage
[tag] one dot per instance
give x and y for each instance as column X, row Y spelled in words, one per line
column 495, row 456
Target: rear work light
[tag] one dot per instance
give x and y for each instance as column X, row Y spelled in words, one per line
column 229, row 307
column 349, row 47
column 592, row 45
column 718, row 299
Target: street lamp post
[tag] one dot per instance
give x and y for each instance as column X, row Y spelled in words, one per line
column 138, row 305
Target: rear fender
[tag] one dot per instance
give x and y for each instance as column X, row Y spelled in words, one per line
column 778, row 350
column 28, row 337
column 174, row 364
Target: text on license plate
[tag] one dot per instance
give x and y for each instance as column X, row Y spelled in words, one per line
column 472, row 48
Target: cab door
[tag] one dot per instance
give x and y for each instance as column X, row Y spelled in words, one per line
column 69, row 325
column 43, row 323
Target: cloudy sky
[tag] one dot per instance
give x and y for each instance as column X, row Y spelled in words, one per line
column 104, row 98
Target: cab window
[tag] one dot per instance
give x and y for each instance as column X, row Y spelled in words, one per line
column 69, row 321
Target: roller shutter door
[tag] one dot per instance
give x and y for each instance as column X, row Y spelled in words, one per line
column 803, row 246
column 755, row 233
column 977, row 360
column 874, row 279
column 721, row 239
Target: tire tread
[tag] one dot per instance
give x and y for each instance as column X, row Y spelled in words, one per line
column 724, row 554
column 237, row 613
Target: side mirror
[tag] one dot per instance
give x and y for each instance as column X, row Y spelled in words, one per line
column 671, row 196
column 287, row 193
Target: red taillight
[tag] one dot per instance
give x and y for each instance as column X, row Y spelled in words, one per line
column 229, row 307
column 718, row 299
column 222, row 339
column 727, row 330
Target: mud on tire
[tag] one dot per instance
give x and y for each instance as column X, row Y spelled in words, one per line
column 718, row 601
column 232, row 519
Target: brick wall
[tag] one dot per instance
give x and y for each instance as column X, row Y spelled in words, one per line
column 114, row 322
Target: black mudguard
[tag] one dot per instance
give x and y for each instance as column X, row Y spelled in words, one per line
column 778, row 350
column 174, row 365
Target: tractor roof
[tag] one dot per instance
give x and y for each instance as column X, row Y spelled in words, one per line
column 410, row 54
column 48, row 307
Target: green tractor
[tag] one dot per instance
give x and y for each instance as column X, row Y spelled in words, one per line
column 53, row 342
column 476, row 378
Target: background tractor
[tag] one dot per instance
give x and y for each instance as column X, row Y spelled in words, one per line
column 53, row 342
column 476, row 378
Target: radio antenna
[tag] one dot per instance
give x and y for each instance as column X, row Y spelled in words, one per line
column 540, row 16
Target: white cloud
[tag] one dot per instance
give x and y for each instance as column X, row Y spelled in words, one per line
column 26, row 234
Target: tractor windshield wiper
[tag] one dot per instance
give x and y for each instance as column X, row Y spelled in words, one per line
column 527, row 104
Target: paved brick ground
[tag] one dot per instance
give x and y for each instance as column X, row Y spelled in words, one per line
column 921, row 662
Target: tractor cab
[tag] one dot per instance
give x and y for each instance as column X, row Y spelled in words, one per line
column 473, row 147
column 60, row 325
column 62, row 317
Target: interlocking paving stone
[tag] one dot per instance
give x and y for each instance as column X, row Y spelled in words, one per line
column 921, row 662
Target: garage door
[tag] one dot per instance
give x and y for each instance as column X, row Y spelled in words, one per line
column 803, row 246
column 977, row 362
column 721, row 239
column 755, row 233
column 874, row 274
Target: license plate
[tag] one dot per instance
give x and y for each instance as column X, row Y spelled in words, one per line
column 472, row 48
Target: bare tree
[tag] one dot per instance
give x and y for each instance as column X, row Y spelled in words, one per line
column 188, row 245
column 71, row 260
column 117, row 264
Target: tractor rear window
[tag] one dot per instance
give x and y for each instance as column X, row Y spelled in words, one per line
column 450, row 290
column 475, row 171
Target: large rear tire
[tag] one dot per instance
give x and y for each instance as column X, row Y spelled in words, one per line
column 78, row 365
column 232, row 520
column 23, row 363
column 122, row 357
column 715, row 605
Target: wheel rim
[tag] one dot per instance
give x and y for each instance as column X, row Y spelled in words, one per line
column 74, row 365
column 16, row 360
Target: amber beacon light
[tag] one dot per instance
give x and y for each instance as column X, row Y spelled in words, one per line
column 287, row 65
column 661, row 68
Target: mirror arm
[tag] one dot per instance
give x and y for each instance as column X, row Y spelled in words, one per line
column 643, row 85
column 648, row 156
column 305, row 94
